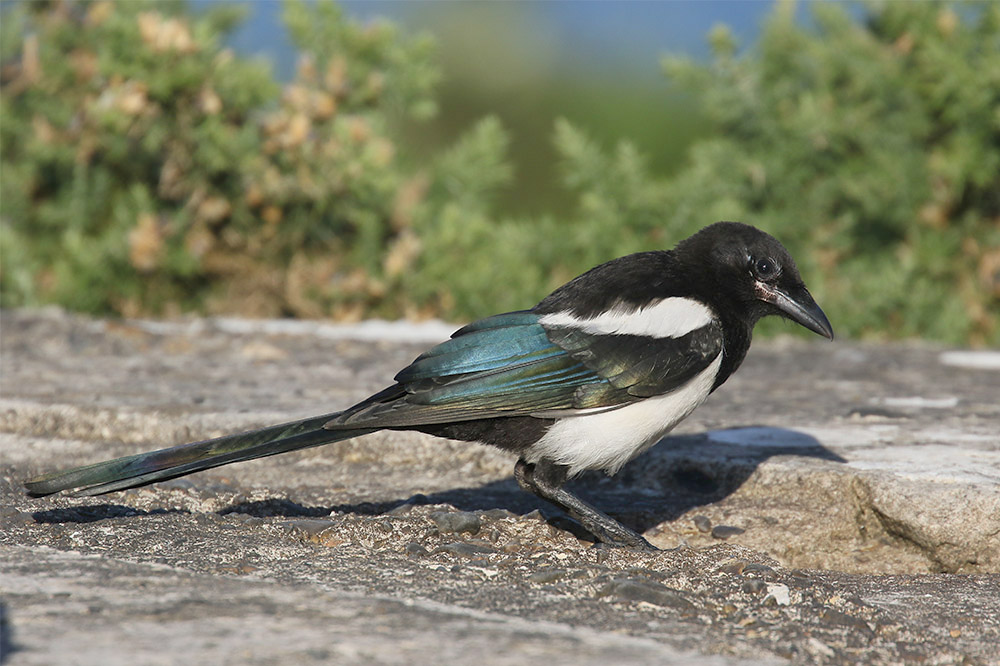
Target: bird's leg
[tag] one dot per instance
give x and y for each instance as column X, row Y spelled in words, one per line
column 546, row 480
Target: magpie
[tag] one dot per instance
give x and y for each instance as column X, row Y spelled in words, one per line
column 589, row 378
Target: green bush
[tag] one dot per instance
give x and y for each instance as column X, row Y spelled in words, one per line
column 120, row 128
column 872, row 149
column 147, row 170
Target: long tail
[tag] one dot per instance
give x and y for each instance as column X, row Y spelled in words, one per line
column 146, row 468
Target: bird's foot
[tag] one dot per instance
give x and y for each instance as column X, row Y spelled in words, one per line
column 545, row 480
column 616, row 535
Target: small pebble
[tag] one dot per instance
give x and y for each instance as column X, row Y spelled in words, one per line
column 414, row 549
column 456, row 521
column 726, row 531
column 702, row 523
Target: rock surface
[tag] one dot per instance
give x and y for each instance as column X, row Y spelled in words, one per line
column 830, row 504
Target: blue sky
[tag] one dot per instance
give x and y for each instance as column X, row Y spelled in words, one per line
column 619, row 37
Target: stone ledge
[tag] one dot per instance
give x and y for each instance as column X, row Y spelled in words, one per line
column 805, row 495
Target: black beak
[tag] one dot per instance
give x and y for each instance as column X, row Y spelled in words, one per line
column 798, row 305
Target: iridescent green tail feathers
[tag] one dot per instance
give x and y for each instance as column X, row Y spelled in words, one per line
column 145, row 468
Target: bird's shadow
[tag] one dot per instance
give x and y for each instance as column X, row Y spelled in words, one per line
column 680, row 473
column 91, row 513
column 685, row 472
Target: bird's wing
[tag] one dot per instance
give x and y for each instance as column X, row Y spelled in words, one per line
column 513, row 365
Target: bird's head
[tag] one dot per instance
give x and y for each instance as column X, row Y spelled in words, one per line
column 753, row 271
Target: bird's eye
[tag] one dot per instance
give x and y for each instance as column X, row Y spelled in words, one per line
column 765, row 268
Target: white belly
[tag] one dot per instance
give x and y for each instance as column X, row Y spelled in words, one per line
column 607, row 440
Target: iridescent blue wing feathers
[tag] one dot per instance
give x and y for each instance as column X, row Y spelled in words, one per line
column 513, row 365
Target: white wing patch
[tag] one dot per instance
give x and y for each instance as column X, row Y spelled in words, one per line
column 665, row 318
column 609, row 439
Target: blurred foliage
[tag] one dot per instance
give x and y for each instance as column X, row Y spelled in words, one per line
column 148, row 170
